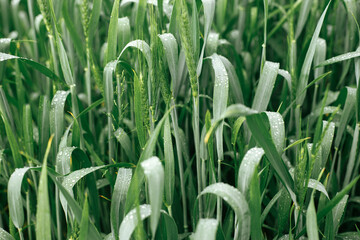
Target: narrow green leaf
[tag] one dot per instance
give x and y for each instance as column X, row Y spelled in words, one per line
column 74, row 35
column 247, row 168
column 84, row 224
column 333, row 202
column 171, row 52
column 206, row 229
column 125, row 143
column 303, row 16
column 37, row 66
column 265, row 86
column 44, row 124
column 43, row 218
column 4, row 235
column 28, row 130
column 124, row 34
column 315, row 184
column 346, row 115
column 305, row 70
column 14, row 197
column 311, row 223
column 134, row 190
column 221, row 87
column 238, row 203
column 169, row 164
column 352, row 158
column 263, row 137
column 64, row 61
column 340, row 58
column 131, row 220
column 109, row 71
column 277, row 130
column 235, row 87
column 76, row 209
column 94, row 19
column 154, row 173
column 209, row 12
column 143, row 47
column 112, row 33
column 117, row 208
column 338, row 213
column 57, row 116
column 14, row 146
column 327, row 142
column 320, row 54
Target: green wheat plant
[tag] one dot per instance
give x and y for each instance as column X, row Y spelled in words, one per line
column 179, row 119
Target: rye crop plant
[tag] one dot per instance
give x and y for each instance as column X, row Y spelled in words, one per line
column 179, row 119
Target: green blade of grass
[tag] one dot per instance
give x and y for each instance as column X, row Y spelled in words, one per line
column 352, row 158
column 209, row 12
column 235, row 110
column 277, row 130
column 340, row 58
column 131, row 220
column 311, row 223
column 265, row 87
column 4, row 235
column 14, row 145
column 195, row 29
column 318, row 186
column 63, row 158
column 154, row 173
column 268, row 207
column 143, row 47
column 346, row 115
column 138, row 178
column 57, row 116
column 43, row 218
column 44, row 124
column 305, row 70
column 124, row 33
column 254, row 200
column 206, row 229
column 169, row 164
column 84, row 224
column 338, row 213
column 76, row 40
column 303, row 16
column 221, row 86
column 117, row 208
column 171, row 52
column 76, row 209
column 235, row 87
column 247, row 168
column 14, row 197
column 238, row 203
column 28, row 130
column 112, row 33
column 125, row 143
column 37, row 66
column 320, row 54
column 64, row 61
column 328, row 139
column 263, row 137
column 168, row 226
column 94, row 19
column 331, row 204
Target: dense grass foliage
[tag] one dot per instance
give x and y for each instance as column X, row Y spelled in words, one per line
column 179, row 119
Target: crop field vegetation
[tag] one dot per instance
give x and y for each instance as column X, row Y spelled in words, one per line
column 179, row 119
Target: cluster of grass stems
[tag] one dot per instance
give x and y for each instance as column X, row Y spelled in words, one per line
column 179, row 119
